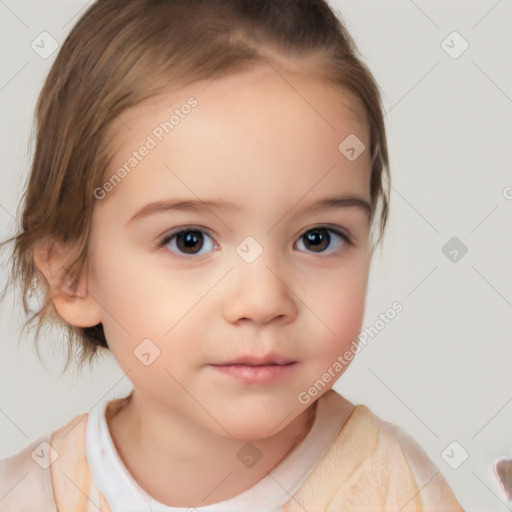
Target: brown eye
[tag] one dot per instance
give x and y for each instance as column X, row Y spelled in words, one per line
column 189, row 241
column 186, row 241
column 318, row 239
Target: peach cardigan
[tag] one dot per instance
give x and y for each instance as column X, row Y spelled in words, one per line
column 364, row 470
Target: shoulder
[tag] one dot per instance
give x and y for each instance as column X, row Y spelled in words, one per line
column 434, row 491
column 373, row 454
column 26, row 477
column 25, row 480
column 363, row 469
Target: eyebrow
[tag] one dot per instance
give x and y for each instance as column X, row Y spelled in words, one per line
column 331, row 203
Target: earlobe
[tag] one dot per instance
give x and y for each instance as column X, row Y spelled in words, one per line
column 80, row 312
column 72, row 301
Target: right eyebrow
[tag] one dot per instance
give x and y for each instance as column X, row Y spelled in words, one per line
column 188, row 205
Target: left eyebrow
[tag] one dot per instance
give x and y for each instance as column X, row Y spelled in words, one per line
column 334, row 203
column 164, row 206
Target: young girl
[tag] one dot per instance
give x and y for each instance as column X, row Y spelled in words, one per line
column 201, row 204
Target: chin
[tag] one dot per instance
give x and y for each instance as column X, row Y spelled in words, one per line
column 253, row 424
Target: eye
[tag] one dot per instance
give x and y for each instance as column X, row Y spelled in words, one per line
column 188, row 241
column 319, row 238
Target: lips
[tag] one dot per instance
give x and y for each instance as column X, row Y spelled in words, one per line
column 266, row 374
column 268, row 360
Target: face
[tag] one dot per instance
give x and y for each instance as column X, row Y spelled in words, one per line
column 183, row 289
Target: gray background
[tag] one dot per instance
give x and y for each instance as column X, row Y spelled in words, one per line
column 441, row 368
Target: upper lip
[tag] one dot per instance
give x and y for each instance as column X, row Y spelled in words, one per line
column 257, row 361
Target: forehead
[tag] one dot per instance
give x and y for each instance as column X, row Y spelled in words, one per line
column 258, row 133
column 261, row 91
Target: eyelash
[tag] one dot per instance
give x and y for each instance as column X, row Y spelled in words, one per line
column 172, row 234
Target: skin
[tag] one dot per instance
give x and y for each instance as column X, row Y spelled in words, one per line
column 267, row 141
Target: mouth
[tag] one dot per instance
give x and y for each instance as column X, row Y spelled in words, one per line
column 268, row 360
column 256, row 374
column 250, row 365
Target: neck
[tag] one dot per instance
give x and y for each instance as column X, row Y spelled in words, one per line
column 159, row 446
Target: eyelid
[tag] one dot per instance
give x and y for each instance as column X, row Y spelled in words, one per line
column 180, row 229
column 347, row 238
column 341, row 231
column 338, row 230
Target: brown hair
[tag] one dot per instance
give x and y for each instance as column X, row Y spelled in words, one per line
column 120, row 54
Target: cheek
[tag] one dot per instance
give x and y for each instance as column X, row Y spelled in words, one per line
column 146, row 320
column 340, row 307
column 127, row 316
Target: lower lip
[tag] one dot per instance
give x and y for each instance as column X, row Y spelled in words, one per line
column 266, row 374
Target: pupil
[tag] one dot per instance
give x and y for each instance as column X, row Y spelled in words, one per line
column 318, row 238
column 315, row 238
column 190, row 240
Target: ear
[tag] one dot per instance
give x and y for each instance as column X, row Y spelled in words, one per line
column 71, row 299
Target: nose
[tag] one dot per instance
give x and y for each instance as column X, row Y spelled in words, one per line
column 261, row 292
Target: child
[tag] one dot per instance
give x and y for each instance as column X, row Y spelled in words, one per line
column 253, row 130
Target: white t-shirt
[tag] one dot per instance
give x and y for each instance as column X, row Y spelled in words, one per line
column 112, row 478
column 22, row 481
